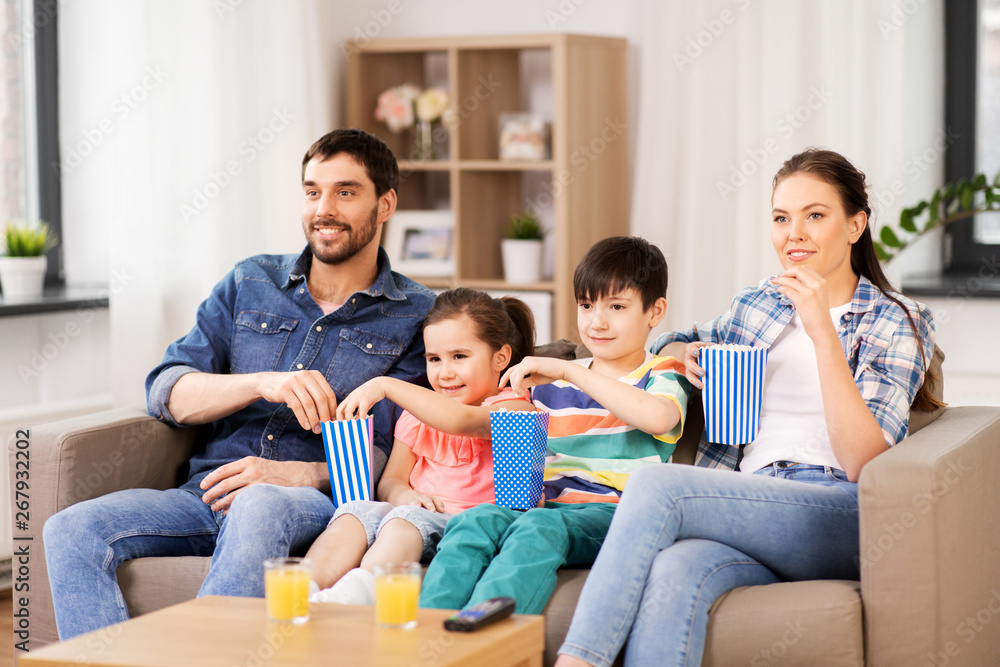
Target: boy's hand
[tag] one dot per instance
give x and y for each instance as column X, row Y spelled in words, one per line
column 361, row 400
column 534, row 371
column 432, row 503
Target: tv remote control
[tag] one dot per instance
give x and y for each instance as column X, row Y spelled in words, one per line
column 480, row 615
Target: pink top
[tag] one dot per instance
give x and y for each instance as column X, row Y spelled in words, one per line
column 456, row 469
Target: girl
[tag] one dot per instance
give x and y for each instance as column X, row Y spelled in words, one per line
column 470, row 339
column 684, row 535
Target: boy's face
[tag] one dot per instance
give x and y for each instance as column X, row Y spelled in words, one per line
column 616, row 325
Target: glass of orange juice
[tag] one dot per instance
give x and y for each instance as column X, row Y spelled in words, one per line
column 397, row 590
column 286, row 588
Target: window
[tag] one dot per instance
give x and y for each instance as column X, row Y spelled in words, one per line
column 972, row 111
column 29, row 187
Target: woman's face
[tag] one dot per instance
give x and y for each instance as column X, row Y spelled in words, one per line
column 810, row 228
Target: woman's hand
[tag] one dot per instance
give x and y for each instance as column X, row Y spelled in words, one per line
column 361, row 400
column 807, row 291
column 692, row 370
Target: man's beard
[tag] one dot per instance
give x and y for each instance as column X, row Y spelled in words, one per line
column 357, row 239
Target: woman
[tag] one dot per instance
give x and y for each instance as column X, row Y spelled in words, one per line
column 684, row 535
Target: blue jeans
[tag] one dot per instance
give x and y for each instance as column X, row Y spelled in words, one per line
column 683, row 536
column 85, row 543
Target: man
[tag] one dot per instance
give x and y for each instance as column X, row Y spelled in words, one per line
column 280, row 340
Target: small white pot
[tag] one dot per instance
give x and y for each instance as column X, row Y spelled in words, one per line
column 522, row 261
column 22, row 277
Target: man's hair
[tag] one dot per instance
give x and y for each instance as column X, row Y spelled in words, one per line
column 368, row 150
column 619, row 263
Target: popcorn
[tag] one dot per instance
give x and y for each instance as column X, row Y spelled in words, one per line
column 348, row 447
column 733, row 391
column 519, row 441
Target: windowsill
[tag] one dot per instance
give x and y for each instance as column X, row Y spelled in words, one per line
column 979, row 285
column 56, row 299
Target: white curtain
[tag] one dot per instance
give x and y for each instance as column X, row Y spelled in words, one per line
column 183, row 125
column 729, row 89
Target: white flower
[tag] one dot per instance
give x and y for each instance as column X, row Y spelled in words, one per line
column 431, row 103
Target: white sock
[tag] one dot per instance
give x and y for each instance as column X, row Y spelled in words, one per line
column 355, row 587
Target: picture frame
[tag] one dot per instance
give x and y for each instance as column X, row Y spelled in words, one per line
column 421, row 243
column 523, row 136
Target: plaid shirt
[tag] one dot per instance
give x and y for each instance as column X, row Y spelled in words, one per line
column 881, row 348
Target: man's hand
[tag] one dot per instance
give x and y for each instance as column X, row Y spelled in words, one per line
column 535, row 371
column 225, row 482
column 307, row 393
column 362, row 399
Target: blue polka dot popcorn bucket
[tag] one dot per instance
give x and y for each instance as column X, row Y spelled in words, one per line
column 519, row 441
column 348, row 447
column 733, row 392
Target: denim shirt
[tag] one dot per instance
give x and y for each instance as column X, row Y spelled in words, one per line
column 886, row 357
column 261, row 317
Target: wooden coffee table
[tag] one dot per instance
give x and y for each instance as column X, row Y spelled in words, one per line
column 219, row 631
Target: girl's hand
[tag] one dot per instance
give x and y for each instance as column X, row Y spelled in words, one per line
column 692, row 370
column 427, row 501
column 807, row 291
column 361, row 400
column 532, row 372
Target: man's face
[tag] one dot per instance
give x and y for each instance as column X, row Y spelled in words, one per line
column 340, row 213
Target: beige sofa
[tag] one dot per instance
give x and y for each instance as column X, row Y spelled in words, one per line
column 930, row 556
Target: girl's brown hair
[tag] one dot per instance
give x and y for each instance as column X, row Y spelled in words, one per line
column 498, row 322
column 835, row 169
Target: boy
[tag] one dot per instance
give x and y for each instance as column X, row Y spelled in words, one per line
column 608, row 415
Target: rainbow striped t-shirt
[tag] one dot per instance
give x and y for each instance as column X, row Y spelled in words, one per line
column 592, row 452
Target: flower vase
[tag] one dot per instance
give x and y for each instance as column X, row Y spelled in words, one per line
column 423, row 145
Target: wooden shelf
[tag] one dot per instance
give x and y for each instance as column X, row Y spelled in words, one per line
column 576, row 82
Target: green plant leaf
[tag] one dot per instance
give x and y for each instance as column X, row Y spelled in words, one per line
column 906, row 221
column 967, row 195
column 889, row 237
column 979, row 182
column 882, row 253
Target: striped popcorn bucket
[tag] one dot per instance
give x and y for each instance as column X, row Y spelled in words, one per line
column 519, row 440
column 348, row 447
column 733, row 391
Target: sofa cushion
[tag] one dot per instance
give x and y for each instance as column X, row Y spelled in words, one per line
column 153, row 583
column 791, row 623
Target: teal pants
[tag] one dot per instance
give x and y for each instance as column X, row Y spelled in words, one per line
column 491, row 551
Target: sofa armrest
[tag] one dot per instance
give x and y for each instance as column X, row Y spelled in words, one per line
column 930, row 542
column 77, row 459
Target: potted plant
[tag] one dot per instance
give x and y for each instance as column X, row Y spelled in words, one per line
column 23, row 264
column 947, row 204
column 522, row 249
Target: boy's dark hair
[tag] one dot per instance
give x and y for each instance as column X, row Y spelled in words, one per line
column 368, row 150
column 498, row 322
column 619, row 263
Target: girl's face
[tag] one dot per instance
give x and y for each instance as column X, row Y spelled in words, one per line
column 460, row 365
column 810, row 228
